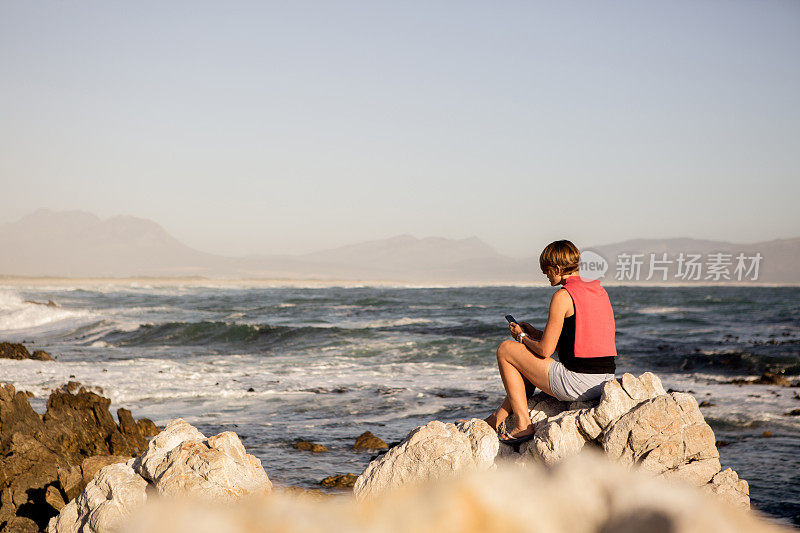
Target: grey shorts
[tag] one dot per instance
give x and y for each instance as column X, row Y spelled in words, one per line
column 569, row 386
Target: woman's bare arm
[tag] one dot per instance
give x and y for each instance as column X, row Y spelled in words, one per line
column 559, row 306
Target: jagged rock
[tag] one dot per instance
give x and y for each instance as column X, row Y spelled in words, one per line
column 582, row 495
column 71, row 387
column 82, row 426
column 9, row 350
column 309, row 446
column 147, row 428
column 71, row 480
column 429, row 452
column 341, row 481
column 41, row 457
column 368, row 441
column 129, row 428
column 16, row 415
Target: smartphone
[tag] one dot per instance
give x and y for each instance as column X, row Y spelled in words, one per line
column 511, row 319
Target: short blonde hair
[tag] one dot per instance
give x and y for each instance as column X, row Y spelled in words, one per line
column 561, row 256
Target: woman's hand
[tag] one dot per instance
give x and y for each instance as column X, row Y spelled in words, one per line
column 515, row 330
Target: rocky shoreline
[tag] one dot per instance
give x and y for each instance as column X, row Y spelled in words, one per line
column 47, row 460
column 74, row 469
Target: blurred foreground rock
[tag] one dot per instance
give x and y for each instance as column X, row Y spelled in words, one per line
column 179, row 462
column 635, row 422
column 583, row 494
column 45, row 461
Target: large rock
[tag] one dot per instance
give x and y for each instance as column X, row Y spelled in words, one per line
column 47, row 461
column 665, row 435
column 635, row 422
column 217, row 468
column 584, row 494
column 179, row 461
column 81, row 425
column 429, row 452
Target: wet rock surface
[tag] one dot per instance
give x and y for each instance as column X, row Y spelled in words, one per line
column 309, row 446
column 9, row 350
column 367, row 442
column 46, row 461
column 339, row 481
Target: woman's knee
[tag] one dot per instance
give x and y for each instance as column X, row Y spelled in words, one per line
column 504, row 348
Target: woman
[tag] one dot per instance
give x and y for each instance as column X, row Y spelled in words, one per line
column 580, row 325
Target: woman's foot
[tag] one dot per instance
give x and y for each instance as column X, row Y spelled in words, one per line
column 493, row 421
column 518, row 433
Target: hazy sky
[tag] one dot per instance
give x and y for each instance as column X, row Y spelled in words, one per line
column 292, row 126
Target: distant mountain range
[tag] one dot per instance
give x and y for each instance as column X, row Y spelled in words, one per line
column 79, row 244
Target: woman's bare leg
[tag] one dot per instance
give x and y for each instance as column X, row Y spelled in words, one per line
column 517, row 363
column 504, row 411
column 500, row 414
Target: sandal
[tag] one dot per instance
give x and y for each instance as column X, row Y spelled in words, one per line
column 517, row 440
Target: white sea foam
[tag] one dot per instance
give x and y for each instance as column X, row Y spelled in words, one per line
column 404, row 321
column 666, row 310
column 19, row 316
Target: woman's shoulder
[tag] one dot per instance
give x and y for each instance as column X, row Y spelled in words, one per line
column 561, row 296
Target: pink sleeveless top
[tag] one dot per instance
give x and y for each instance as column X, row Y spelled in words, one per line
column 594, row 318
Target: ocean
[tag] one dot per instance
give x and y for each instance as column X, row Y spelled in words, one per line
column 280, row 363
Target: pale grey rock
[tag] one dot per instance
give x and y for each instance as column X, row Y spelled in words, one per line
column 696, row 473
column 429, row 452
column 67, row 520
column 218, row 468
column 635, row 388
column 727, row 486
column 665, row 434
column 177, row 432
column 107, row 500
column 483, row 439
column 614, row 402
column 556, row 439
column 652, row 384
